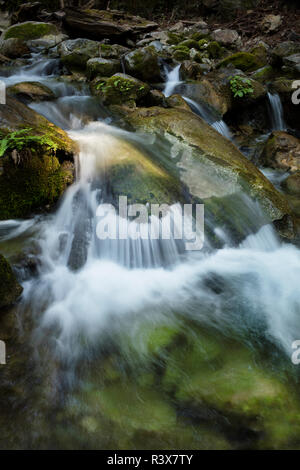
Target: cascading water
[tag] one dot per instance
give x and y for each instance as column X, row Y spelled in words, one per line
column 173, row 81
column 276, row 112
column 87, row 290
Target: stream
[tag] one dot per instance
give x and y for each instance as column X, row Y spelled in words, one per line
column 88, row 308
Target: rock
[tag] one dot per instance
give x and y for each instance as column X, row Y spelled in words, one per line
column 271, row 23
column 37, row 180
column 102, row 67
column 293, row 62
column 112, row 51
column 3, row 59
column 282, row 150
column 10, row 289
column 226, row 37
column 13, row 48
column 75, row 53
column 292, row 183
column 286, row 48
column 176, row 101
column 144, row 64
column 244, row 61
column 199, row 150
column 190, row 69
column 263, row 74
column 98, row 24
column 30, row 30
column 31, row 91
column 120, row 88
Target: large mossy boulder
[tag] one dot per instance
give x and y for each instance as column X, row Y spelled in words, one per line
column 143, row 63
column 75, row 53
column 99, row 24
column 244, row 61
column 10, row 289
column 33, row 179
column 207, row 163
column 30, row 30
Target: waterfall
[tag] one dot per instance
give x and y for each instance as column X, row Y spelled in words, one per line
column 208, row 116
column 276, row 112
column 172, row 80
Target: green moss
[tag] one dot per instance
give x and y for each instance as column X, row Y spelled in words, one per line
column 181, row 53
column 199, row 35
column 175, row 38
column 30, row 30
column 244, row 61
column 189, row 43
column 121, row 88
column 214, row 50
column 202, row 43
column 264, row 73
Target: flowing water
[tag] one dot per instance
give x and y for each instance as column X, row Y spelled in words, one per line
column 86, row 310
column 276, row 112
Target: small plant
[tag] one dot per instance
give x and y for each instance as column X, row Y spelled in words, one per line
column 240, row 86
column 22, row 139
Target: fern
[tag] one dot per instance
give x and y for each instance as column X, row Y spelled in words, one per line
column 21, row 139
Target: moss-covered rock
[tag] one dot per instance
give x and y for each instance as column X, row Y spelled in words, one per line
column 263, row 74
column 30, row 30
column 244, row 61
column 10, row 289
column 120, row 88
column 31, row 91
column 189, row 43
column 143, row 63
column 75, row 53
column 37, row 179
column 181, row 53
column 199, row 150
column 112, row 51
column 13, row 48
column 174, row 38
column 102, row 67
column 282, row 150
column 214, row 50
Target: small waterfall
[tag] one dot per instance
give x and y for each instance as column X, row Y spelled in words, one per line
column 276, row 112
column 208, row 116
column 172, row 81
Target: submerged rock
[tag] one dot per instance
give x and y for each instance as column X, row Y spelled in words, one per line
column 10, row 289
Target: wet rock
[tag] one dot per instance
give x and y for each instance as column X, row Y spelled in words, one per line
column 102, row 67
column 190, row 69
column 3, row 59
column 10, row 289
column 263, row 74
column 75, row 53
column 31, row 91
column 282, row 150
column 286, row 48
column 98, row 24
column 13, row 48
column 271, row 23
column 176, row 101
column 292, row 183
column 226, row 37
column 199, row 150
column 144, row 64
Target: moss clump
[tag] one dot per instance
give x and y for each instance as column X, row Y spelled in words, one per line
column 181, row 53
column 10, row 289
column 264, row 73
column 174, row 38
column 199, row 35
column 30, row 30
column 189, row 43
column 215, row 51
column 244, row 61
column 202, row 44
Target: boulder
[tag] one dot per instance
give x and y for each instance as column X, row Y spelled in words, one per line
column 13, row 48
column 120, row 88
column 10, row 289
column 244, row 61
column 207, row 163
column 30, row 30
column 31, row 91
column 75, row 53
column 226, row 37
column 282, row 150
column 112, row 51
column 293, row 62
column 98, row 24
column 30, row 180
column 102, row 67
column 271, row 23
column 292, row 183
column 144, row 64
column 286, row 48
